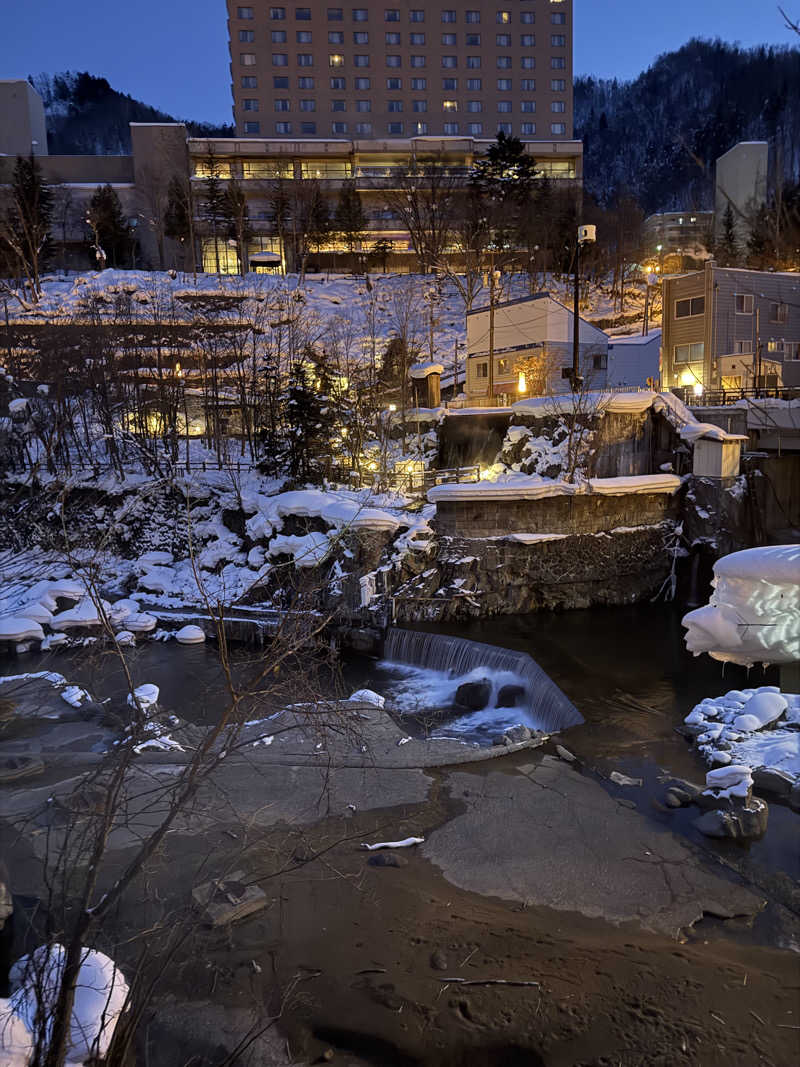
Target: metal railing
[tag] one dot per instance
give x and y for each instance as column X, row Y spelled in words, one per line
column 721, row 397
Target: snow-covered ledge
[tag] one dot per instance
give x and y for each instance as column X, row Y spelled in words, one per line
column 532, row 487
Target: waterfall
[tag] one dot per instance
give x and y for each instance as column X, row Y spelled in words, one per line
column 550, row 708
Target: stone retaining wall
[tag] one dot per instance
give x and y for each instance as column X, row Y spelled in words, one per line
column 586, row 513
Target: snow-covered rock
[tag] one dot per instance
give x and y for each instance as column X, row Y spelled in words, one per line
column 140, row 623
column 145, row 695
column 16, row 1040
column 85, row 613
column 368, row 696
column 190, row 635
column 17, row 628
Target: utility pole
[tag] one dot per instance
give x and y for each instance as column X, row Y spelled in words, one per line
column 492, row 281
column 758, row 350
column 586, row 235
column 455, row 369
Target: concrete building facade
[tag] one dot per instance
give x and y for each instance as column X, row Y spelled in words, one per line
column 725, row 328
column 22, row 130
column 741, row 184
column 402, row 69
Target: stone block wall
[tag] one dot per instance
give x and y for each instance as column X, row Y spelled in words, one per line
column 586, row 513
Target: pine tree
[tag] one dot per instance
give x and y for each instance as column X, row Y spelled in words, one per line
column 727, row 248
column 110, row 229
column 309, row 418
column 237, row 220
column 214, row 202
column 25, row 230
column 350, row 220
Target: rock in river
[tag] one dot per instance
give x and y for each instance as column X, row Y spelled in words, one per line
column 474, row 695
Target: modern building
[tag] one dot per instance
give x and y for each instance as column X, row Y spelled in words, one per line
column 532, row 342
column 725, row 328
column 681, row 234
column 634, row 360
column 22, row 129
column 741, row 184
column 403, row 70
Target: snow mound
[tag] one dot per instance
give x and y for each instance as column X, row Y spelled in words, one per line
column 85, row 613
column 368, row 696
column 754, row 613
column 190, row 635
column 306, row 551
column 17, row 628
column 146, row 695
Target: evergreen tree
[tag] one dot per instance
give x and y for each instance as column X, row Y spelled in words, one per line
column 727, row 248
column 309, row 418
column 110, row 229
column 214, row 203
column 350, row 220
column 760, row 250
column 504, row 180
column 25, row 229
column 237, row 220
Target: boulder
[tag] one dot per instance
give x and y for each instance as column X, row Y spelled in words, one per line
column 515, row 735
column 742, row 822
column 772, row 780
column 510, row 696
column 677, row 797
column 473, row 695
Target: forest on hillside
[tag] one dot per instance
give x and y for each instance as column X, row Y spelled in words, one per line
column 85, row 116
column 656, row 137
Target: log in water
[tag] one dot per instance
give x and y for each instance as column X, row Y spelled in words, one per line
column 549, row 707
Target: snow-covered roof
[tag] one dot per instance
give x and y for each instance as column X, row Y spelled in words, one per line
column 635, row 338
column 423, row 370
column 616, row 403
column 533, row 487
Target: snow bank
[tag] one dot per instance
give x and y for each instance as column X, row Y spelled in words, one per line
column 594, row 403
column 101, row 996
column 306, row 551
column 339, row 509
column 754, row 612
column 750, row 729
column 534, row 487
column 84, row 613
column 17, row 628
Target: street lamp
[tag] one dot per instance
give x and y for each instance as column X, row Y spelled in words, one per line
column 586, row 235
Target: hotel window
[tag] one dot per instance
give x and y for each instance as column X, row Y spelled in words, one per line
column 281, row 105
column 252, row 127
column 308, row 128
column 473, row 62
column 528, row 129
column 449, row 40
column 558, row 85
column 278, row 36
column 528, row 40
column 503, row 40
column 474, row 85
column 419, row 85
column 280, row 82
column 528, row 62
column 394, row 106
column 558, row 40
column 338, row 84
column 391, row 14
column 279, row 59
column 283, row 127
column 394, row 61
column 472, row 16
column 503, row 16
column 416, row 39
column 558, row 18
column 504, row 62
column 363, row 105
column 473, row 40
column 449, row 105
column 305, row 59
column 336, row 60
column 527, row 18
column 690, row 353
column 448, row 16
column 247, row 36
column 558, row 128
column 416, row 16
column 338, row 105
column 504, row 107
column 394, row 127
column 417, row 61
column 247, row 59
column 339, row 127
column 335, row 14
column 474, row 106
column 391, row 38
column 249, row 81
column 527, row 107
column 360, row 14
column 449, row 85
column 558, row 63
column 303, row 37
column 360, row 61
column 335, row 37
column 691, row 306
column 244, row 13
column 504, row 85
column 420, row 106
column 394, row 84
column 743, row 303
column 363, row 129
column 302, row 14
column 449, row 62
column 475, row 128
column 450, row 129
column 277, row 14
column 250, row 104
column 528, row 85
column 558, row 107
column 362, row 84
column 778, row 312
column 308, row 105
column 420, row 128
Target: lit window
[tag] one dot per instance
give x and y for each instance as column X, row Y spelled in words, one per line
column 558, row 128
column 503, row 16
column 338, row 84
column 244, row 13
column 247, row 59
column 504, row 85
column 743, row 303
column 449, row 105
column 527, row 107
column 247, row 36
column 250, row 104
column 335, row 37
column 419, row 85
column 420, row 128
column 336, row 60
column 252, row 127
column 281, row 105
column 308, row 105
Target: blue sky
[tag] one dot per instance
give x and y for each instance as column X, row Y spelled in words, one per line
column 174, row 55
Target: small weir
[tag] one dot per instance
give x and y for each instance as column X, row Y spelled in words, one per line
column 549, row 707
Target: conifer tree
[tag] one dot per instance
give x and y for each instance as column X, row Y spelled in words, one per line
column 727, row 248
column 350, row 220
column 25, row 227
column 110, row 229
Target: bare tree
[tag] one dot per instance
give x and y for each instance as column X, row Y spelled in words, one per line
column 424, row 202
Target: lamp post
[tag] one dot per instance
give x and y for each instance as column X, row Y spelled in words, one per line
column 586, row 235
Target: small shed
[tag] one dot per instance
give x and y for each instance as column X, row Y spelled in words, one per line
column 718, row 457
column 634, row 360
column 426, row 379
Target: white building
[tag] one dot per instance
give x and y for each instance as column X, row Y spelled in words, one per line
column 535, row 326
column 635, row 360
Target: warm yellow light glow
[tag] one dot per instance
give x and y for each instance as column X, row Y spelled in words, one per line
column 393, row 407
column 522, row 385
column 687, row 378
column 698, row 389
column 336, row 60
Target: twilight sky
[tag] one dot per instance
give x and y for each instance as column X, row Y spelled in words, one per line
column 175, row 56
